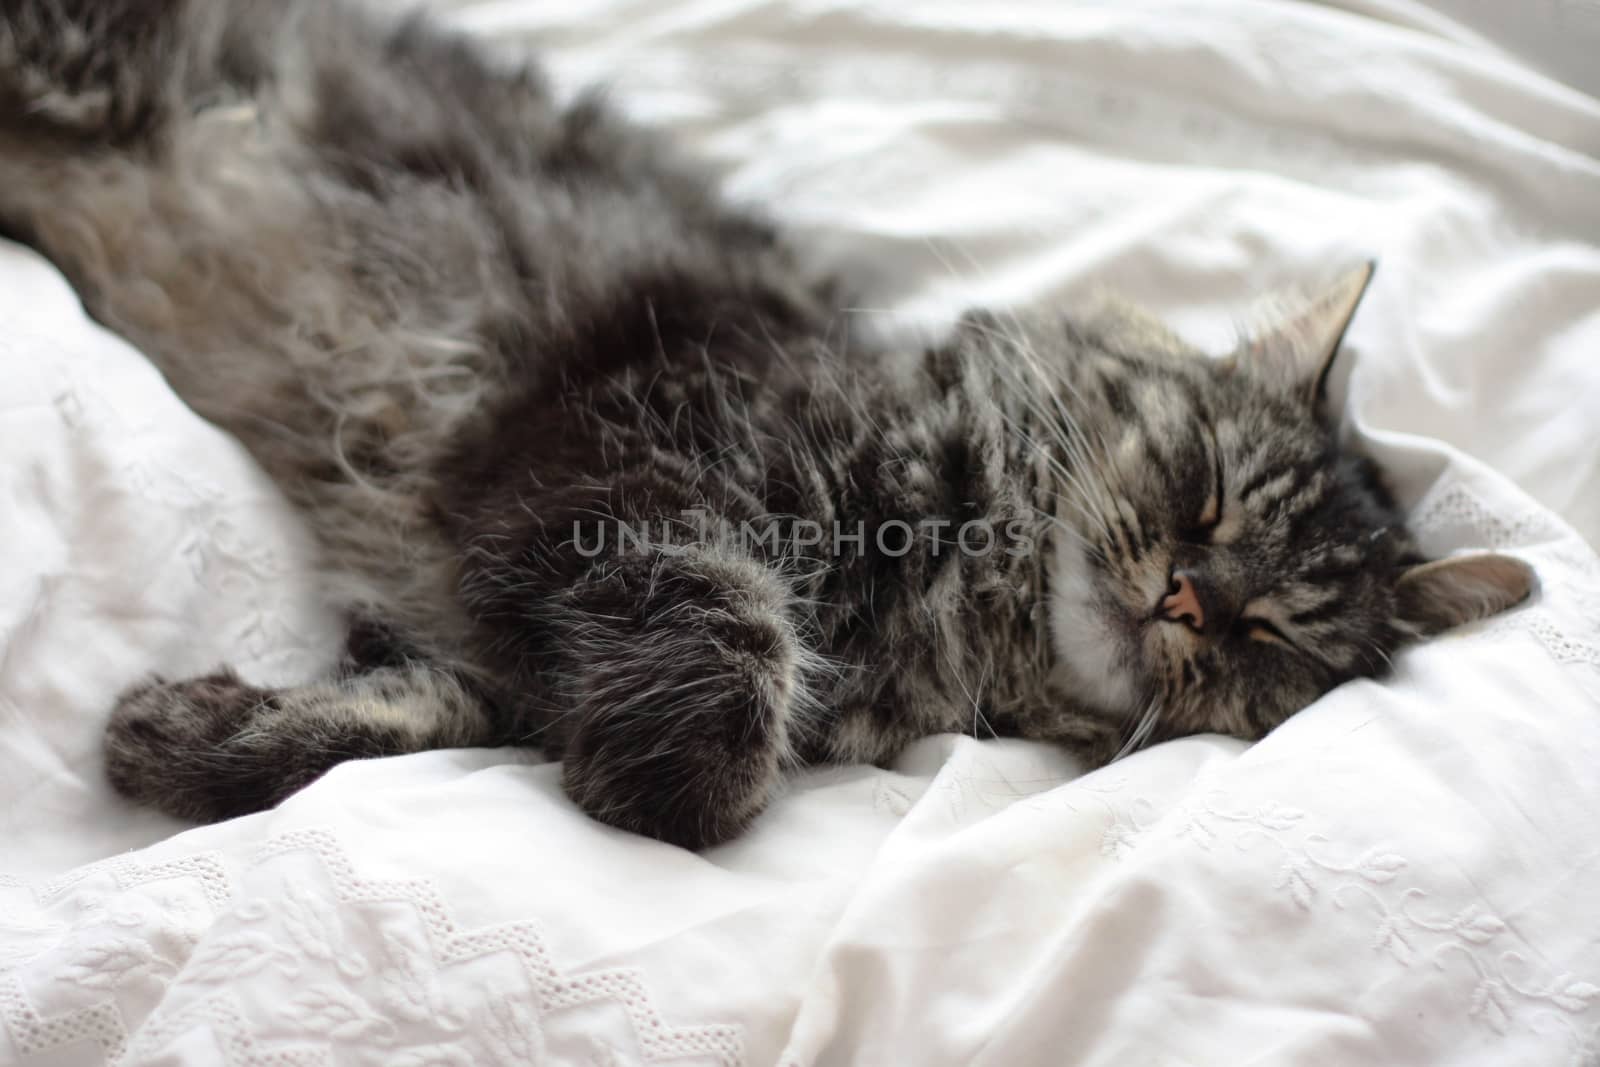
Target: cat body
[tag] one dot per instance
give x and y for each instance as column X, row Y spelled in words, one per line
column 592, row 467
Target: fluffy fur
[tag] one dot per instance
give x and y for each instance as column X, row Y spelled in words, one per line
column 460, row 325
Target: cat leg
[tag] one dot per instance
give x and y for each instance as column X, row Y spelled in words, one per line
column 680, row 679
column 214, row 747
column 1092, row 739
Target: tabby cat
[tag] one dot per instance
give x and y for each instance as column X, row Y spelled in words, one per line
column 590, row 471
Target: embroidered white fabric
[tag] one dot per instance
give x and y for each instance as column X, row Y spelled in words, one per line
column 1406, row 873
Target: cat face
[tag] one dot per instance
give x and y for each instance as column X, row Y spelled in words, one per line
column 1219, row 560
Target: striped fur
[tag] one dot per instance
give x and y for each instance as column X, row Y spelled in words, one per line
column 457, row 322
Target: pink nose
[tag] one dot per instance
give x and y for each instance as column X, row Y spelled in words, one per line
column 1182, row 603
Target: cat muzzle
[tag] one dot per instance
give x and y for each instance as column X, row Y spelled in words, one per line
column 1194, row 599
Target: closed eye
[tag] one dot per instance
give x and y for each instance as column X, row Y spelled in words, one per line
column 1259, row 629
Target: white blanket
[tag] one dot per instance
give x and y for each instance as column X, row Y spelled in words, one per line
column 1407, row 873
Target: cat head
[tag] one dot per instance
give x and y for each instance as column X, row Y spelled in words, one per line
column 1219, row 559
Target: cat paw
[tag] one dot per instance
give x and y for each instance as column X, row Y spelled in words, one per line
column 164, row 738
column 678, row 730
column 689, row 776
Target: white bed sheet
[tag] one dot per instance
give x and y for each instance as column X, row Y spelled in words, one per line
column 1408, row 873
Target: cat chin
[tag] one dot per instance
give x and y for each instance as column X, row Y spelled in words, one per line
column 1091, row 639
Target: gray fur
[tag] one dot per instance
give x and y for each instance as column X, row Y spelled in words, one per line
column 456, row 322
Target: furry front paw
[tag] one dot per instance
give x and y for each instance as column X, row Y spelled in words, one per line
column 690, row 758
column 679, row 723
column 165, row 740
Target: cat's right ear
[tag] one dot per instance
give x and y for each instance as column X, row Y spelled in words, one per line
column 1298, row 334
column 1433, row 597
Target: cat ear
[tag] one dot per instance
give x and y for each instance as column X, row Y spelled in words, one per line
column 1294, row 347
column 1434, row 597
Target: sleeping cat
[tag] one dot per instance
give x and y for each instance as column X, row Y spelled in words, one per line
column 590, row 469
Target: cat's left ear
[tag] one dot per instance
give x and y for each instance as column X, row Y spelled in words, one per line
column 1433, row 597
column 1298, row 335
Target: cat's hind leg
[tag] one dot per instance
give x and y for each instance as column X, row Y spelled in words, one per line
column 215, row 747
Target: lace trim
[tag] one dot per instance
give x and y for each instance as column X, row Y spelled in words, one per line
column 160, row 932
column 115, row 959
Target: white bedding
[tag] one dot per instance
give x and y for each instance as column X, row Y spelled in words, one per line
column 1408, row 873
